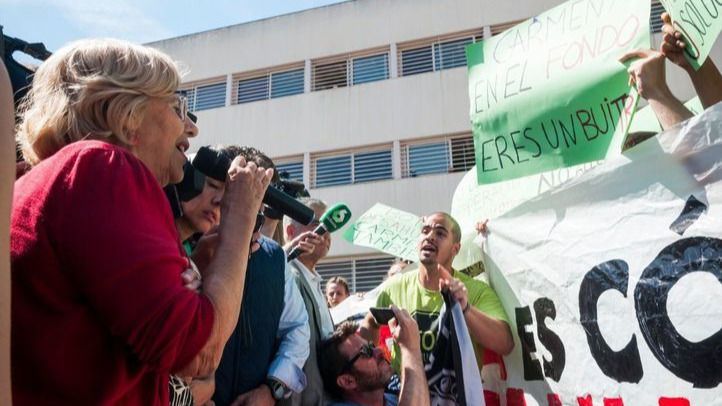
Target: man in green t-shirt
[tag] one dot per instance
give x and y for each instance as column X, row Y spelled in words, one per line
column 418, row 292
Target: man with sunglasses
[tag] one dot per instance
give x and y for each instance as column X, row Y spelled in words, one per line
column 355, row 371
column 263, row 361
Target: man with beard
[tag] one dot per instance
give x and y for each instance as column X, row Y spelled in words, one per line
column 356, row 372
column 419, row 292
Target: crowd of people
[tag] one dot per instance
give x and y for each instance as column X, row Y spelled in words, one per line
column 130, row 288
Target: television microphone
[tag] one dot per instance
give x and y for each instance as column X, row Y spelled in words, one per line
column 216, row 166
column 332, row 220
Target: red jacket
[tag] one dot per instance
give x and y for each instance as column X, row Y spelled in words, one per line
column 99, row 311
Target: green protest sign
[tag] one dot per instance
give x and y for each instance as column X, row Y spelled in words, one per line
column 700, row 22
column 388, row 230
column 550, row 92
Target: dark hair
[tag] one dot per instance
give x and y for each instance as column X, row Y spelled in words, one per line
column 331, row 361
column 250, row 154
column 339, row 280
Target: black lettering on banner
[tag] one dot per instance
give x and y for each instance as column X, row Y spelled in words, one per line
column 485, row 158
column 543, row 308
column 530, row 138
column 697, row 362
column 517, row 147
column 532, row 369
column 624, row 365
column 691, row 212
column 502, row 152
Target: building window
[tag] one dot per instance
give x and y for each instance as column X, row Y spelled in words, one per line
column 352, row 167
column 437, row 155
column 286, row 83
column 434, row 55
column 362, row 274
column 370, row 68
column 370, row 166
column 333, row 171
column 205, row 96
column 350, row 69
column 269, row 85
column 451, row 54
column 655, row 17
column 292, row 168
column 252, row 89
column 330, row 75
column 425, row 159
column 462, row 154
column 417, row 60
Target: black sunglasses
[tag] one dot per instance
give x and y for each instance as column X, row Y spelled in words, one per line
column 367, row 351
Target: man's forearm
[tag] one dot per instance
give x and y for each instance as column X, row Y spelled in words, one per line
column 707, row 83
column 414, row 387
column 489, row 332
column 669, row 110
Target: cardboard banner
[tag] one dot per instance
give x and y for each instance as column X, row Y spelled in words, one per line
column 550, row 92
column 613, row 280
column 700, row 22
column 388, row 230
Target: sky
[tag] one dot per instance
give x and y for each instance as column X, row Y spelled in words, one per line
column 56, row 22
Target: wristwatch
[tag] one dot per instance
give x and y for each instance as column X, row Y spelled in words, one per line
column 279, row 390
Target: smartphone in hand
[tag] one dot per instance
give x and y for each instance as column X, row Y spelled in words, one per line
column 382, row 315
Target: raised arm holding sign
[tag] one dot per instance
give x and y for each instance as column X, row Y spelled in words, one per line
column 699, row 23
column 707, row 80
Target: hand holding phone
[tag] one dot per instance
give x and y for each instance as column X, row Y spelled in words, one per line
column 382, row 315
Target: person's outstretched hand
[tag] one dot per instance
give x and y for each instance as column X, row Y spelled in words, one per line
column 673, row 46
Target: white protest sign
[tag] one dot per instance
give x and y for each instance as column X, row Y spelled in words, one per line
column 474, row 203
column 613, row 280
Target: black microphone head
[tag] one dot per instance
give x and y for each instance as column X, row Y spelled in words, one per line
column 212, row 163
column 192, row 184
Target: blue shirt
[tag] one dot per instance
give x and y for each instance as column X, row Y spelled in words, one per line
column 294, row 334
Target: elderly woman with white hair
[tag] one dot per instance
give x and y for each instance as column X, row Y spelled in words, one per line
column 100, row 314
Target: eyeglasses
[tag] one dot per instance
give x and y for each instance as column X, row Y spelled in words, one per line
column 367, row 351
column 181, row 106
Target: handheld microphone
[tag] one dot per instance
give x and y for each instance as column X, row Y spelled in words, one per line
column 216, row 166
column 332, row 220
